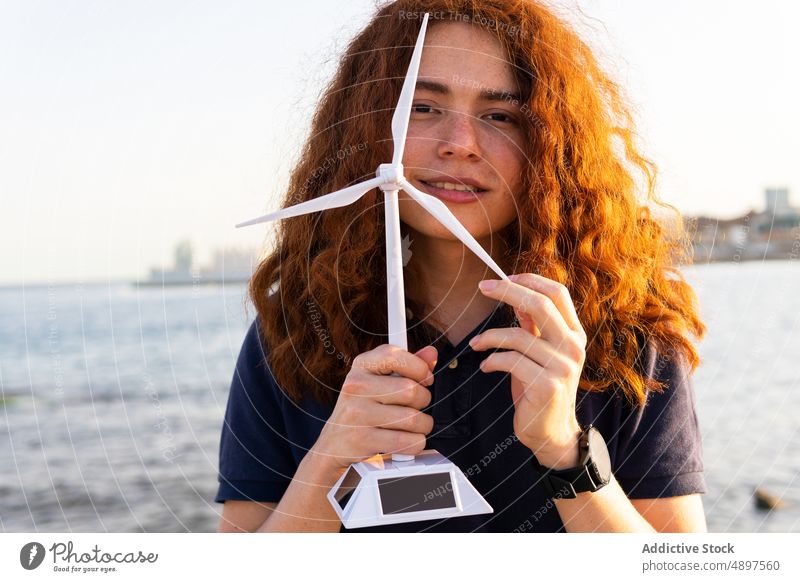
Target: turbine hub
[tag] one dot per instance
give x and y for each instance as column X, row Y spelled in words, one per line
column 391, row 174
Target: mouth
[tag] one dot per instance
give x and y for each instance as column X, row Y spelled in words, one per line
column 453, row 190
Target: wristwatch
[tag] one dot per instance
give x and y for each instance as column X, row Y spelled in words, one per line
column 592, row 473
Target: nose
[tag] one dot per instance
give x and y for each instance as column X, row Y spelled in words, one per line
column 459, row 137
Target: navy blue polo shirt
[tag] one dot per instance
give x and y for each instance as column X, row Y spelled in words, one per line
column 655, row 450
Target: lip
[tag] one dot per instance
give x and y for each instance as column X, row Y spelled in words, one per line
column 451, row 195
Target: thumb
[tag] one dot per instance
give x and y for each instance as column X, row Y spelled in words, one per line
column 429, row 354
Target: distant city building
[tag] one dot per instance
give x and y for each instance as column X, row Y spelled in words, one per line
column 183, row 258
column 778, row 200
column 771, row 234
column 227, row 266
column 230, row 264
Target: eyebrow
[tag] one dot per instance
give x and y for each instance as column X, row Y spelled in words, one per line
column 486, row 94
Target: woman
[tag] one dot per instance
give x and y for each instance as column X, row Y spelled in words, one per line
column 529, row 144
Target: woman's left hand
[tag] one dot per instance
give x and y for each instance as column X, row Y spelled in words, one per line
column 545, row 361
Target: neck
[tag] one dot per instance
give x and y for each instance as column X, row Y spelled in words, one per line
column 445, row 280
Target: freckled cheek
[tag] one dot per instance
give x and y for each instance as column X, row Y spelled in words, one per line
column 515, row 175
column 504, row 153
column 420, row 155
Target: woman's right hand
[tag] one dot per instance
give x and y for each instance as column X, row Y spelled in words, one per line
column 378, row 412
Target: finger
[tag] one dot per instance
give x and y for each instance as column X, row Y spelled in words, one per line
column 528, row 324
column 401, row 391
column 519, row 366
column 529, row 303
column 514, row 363
column 557, row 293
column 397, row 441
column 429, row 354
column 514, row 338
column 400, row 418
column 387, row 359
column 388, row 390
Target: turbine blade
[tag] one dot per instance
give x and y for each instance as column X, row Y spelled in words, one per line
column 442, row 213
column 403, row 110
column 336, row 199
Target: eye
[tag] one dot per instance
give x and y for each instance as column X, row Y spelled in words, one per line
column 421, row 108
column 501, row 117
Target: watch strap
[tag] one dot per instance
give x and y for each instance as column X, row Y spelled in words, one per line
column 567, row 483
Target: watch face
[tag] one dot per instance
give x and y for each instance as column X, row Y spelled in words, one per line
column 599, row 455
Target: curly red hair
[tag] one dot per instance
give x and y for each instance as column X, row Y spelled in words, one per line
column 321, row 292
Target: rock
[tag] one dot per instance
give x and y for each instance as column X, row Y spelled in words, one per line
column 766, row 500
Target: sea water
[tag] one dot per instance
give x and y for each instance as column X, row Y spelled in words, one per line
column 113, row 398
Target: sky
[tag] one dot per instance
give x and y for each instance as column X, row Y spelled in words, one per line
column 127, row 126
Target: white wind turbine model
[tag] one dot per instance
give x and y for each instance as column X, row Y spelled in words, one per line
column 398, row 488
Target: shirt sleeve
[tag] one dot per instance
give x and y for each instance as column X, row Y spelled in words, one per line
column 255, row 460
column 662, row 453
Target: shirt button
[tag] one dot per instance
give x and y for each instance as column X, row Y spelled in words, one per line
column 454, row 364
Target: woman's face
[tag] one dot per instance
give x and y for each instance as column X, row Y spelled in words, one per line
column 465, row 133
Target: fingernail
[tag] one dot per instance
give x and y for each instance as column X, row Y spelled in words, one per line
column 487, row 285
column 474, row 341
